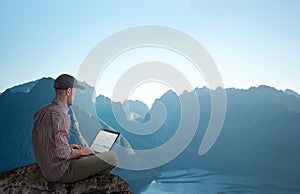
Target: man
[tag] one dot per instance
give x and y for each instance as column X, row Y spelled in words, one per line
column 50, row 138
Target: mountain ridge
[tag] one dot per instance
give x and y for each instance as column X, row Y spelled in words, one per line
column 257, row 122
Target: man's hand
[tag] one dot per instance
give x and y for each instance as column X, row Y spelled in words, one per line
column 75, row 146
column 81, row 151
column 87, row 151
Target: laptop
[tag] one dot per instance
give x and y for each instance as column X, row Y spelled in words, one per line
column 104, row 140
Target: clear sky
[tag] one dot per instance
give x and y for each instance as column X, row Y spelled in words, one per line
column 253, row 42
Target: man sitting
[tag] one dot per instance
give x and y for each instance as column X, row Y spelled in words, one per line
column 50, row 138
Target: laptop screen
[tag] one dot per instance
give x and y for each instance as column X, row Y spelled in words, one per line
column 104, row 140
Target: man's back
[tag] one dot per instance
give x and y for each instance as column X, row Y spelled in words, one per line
column 50, row 137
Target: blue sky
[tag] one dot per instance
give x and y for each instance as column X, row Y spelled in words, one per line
column 252, row 42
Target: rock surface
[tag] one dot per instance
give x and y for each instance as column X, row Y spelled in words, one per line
column 29, row 179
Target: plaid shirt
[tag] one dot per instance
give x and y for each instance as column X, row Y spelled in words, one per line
column 50, row 139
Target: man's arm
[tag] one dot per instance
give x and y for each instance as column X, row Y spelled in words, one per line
column 60, row 137
column 61, row 140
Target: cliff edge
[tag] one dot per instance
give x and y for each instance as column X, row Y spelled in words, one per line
column 29, row 179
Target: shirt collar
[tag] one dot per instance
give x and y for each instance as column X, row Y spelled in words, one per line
column 60, row 103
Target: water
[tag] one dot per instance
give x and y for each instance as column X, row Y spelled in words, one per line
column 192, row 181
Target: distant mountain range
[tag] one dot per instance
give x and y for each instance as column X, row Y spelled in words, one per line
column 260, row 134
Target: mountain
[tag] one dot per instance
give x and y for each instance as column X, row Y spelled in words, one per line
column 16, row 121
column 24, row 88
column 135, row 110
column 260, row 134
column 291, row 92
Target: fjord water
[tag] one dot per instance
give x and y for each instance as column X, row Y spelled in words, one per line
column 194, row 181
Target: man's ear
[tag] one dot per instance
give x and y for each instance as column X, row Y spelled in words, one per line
column 69, row 91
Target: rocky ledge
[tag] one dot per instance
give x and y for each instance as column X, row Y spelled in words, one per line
column 29, row 179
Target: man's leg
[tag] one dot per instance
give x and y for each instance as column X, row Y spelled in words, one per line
column 85, row 167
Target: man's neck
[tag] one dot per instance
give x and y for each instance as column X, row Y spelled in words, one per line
column 62, row 99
